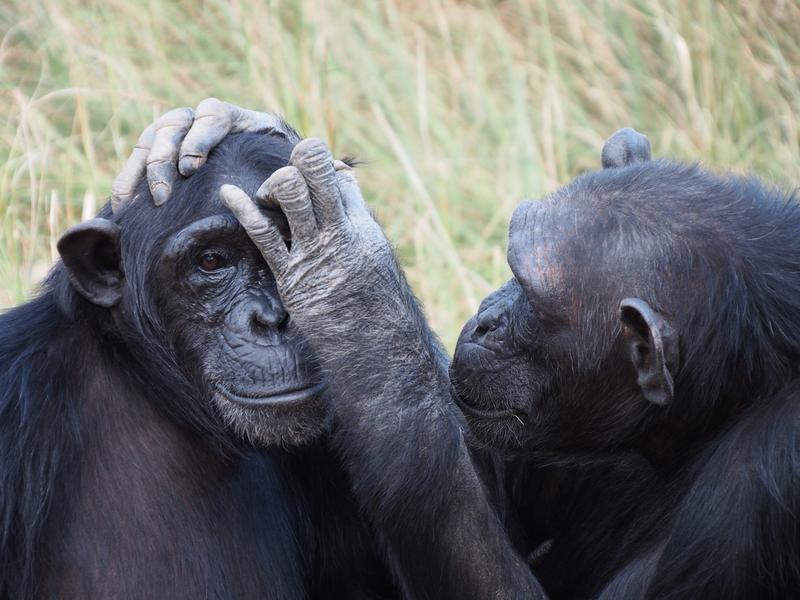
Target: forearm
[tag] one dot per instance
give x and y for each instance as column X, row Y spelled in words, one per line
column 399, row 436
column 403, row 445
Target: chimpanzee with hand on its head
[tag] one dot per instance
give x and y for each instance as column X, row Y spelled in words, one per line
column 164, row 431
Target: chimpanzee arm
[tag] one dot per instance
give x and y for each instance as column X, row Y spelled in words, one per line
column 735, row 532
column 400, row 437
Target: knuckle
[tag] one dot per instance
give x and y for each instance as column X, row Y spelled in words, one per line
column 156, row 182
column 120, row 191
column 262, row 235
column 177, row 117
column 287, row 180
column 211, row 107
column 157, row 162
column 312, row 152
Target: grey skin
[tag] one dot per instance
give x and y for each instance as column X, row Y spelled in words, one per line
column 420, row 488
column 263, row 382
column 178, row 143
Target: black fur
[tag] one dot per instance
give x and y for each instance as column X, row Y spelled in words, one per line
column 117, row 476
column 616, row 496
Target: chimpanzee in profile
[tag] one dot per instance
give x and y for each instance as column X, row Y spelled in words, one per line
column 164, row 431
column 643, row 366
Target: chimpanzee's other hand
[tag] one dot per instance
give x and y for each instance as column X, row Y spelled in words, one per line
column 179, row 143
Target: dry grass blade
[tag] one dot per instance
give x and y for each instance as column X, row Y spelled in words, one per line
column 459, row 108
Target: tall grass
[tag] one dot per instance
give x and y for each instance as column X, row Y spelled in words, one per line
column 459, row 108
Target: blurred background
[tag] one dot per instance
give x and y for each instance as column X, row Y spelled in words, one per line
column 459, row 109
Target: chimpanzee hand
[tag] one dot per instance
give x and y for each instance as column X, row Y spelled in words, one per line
column 179, row 142
column 396, row 427
column 339, row 263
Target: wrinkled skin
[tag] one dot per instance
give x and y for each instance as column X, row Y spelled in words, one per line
column 338, row 251
column 644, row 352
column 232, row 322
column 495, row 347
column 599, row 361
column 224, row 308
column 178, row 143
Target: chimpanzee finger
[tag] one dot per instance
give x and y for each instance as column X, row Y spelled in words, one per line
column 353, row 201
column 162, row 169
column 264, row 233
column 125, row 183
column 315, row 162
column 214, row 120
column 625, row 147
column 288, row 189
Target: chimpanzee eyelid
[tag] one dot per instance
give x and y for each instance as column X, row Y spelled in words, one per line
column 214, row 251
column 215, row 234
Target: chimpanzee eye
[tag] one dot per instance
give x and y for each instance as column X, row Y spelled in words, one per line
column 211, row 261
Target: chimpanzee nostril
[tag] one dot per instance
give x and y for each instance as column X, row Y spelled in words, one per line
column 488, row 321
column 481, row 329
column 267, row 315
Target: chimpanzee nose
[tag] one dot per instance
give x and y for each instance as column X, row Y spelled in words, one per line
column 489, row 319
column 268, row 313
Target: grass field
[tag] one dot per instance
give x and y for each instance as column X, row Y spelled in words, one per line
column 459, row 108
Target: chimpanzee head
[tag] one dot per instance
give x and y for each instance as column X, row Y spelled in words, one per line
column 187, row 297
column 649, row 303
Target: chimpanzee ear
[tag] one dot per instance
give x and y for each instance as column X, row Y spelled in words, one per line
column 626, row 147
column 653, row 348
column 90, row 252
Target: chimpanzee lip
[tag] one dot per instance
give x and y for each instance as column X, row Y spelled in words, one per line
column 296, row 395
column 484, row 413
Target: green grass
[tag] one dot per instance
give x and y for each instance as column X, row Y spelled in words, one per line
column 459, row 108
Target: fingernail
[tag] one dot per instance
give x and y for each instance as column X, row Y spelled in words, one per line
column 189, row 164
column 160, row 193
column 264, row 195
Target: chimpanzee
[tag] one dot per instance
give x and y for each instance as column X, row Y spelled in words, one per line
column 652, row 335
column 165, row 433
column 642, row 362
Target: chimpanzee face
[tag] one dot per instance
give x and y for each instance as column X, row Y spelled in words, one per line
column 564, row 356
column 227, row 316
column 519, row 378
column 197, row 306
column 501, row 370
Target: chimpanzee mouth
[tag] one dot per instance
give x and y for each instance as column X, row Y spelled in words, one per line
column 286, row 397
column 484, row 413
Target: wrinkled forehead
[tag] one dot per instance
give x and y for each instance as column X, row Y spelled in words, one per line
column 211, row 228
column 580, row 243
